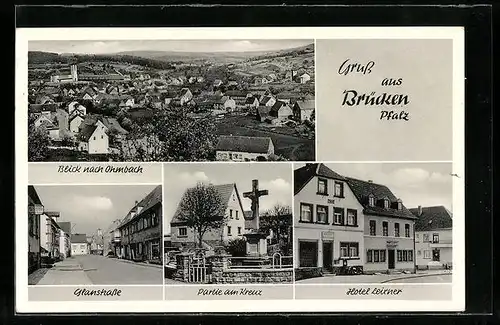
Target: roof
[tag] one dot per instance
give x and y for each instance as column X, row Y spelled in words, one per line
column 363, row 189
column 236, row 93
column 52, row 214
column 251, row 100
column 432, row 218
column 36, row 108
column 78, row 238
column 87, row 131
column 149, row 201
column 244, row 144
column 224, row 190
column 184, row 91
column 33, row 197
column 305, row 104
column 266, row 99
column 65, row 226
column 304, row 174
column 248, row 215
column 277, row 106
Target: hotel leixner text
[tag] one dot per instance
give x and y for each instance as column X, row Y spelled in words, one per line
column 341, row 221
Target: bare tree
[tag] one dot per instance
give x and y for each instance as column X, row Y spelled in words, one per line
column 202, row 209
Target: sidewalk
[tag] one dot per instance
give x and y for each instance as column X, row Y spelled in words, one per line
column 66, row 272
column 419, row 274
column 159, row 266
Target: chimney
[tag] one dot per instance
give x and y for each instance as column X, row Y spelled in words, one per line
column 419, row 210
column 370, row 181
column 135, row 204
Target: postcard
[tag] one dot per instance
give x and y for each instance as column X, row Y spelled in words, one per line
column 276, row 169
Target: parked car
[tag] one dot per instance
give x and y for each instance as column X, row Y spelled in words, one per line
column 111, row 254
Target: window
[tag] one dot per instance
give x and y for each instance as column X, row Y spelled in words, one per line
column 425, row 238
column 400, row 205
column 230, row 214
column 427, row 254
column 369, row 256
column 407, row 230
column 352, row 217
column 94, row 138
column 419, row 253
column 376, row 256
column 386, row 203
column 350, row 250
column 239, row 230
column 405, row 256
column 385, row 228
column 182, row 232
column 322, row 186
column 371, row 200
column 306, row 212
column 373, row 228
column 417, row 237
column 435, row 238
column 229, row 231
column 338, row 216
column 339, row 189
column 322, row 214
column 396, row 229
column 102, row 136
column 236, row 212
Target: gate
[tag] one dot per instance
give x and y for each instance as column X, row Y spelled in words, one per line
column 198, row 270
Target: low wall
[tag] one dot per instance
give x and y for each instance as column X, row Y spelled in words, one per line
column 253, row 276
column 308, row 272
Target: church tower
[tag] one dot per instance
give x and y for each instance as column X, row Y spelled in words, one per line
column 74, row 73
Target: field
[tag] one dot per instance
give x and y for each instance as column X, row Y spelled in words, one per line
column 286, row 145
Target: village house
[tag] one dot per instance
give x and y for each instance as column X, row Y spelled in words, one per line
column 217, row 83
column 433, row 237
column 225, row 103
column 303, row 78
column 267, row 101
column 35, row 210
column 141, row 229
column 75, row 122
column 303, row 109
column 328, row 220
column 49, row 234
column 64, row 239
column 76, row 108
column 94, row 139
column 79, row 245
column 389, row 228
column 234, row 227
column 251, row 104
column 342, row 221
column 280, row 111
column 185, row 96
column 243, row 148
column 262, row 113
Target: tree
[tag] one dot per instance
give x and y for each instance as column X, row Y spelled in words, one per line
column 38, row 142
column 202, row 209
column 278, row 219
column 237, row 247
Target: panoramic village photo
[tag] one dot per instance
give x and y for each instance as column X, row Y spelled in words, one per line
column 95, row 235
column 228, row 223
column 373, row 223
column 171, row 100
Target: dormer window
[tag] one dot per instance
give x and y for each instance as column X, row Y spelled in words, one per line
column 386, row 203
column 400, row 205
column 371, row 200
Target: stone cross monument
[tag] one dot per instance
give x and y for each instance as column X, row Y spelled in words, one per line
column 254, row 195
column 256, row 241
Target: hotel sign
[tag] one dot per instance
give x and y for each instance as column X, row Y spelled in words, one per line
column 392, row 243
column 35, row 209
column 327, row 235
column 331, row 201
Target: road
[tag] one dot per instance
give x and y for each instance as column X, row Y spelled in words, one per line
column 105, row 270
column 441, row 278
column 428, row 277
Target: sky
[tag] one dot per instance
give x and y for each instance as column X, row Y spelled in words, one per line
column 89, row 207
column 103, row 47
column 276, row 178
column 425, row 184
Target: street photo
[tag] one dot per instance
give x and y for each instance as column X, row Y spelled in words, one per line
column 171, row 100
column 94, row 235
column 373, row 223
column 228, row 223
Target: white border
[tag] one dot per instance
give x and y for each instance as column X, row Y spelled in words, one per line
column 301, row 305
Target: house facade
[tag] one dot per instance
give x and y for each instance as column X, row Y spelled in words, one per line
column 49, row 234
column 388, row 228
column 234, row 227
column 342, row 221
column 433, row 237
column 328, row 220
column 79, row 245
column 64, row 244
column 242, row 148
column 141, row 230
column 94, row 139
column 35, row 210
column 303, row 109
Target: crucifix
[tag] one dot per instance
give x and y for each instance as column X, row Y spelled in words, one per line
column 254, row 195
